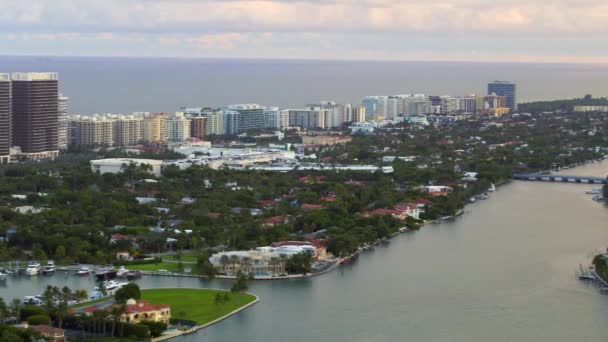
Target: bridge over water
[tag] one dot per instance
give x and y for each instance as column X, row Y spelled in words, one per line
column 537, row 177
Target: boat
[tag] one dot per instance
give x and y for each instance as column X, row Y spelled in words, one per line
column 122, row 272
column 3, row 275
column 492, row 188
column 49, row 268
column 110, row 287
column 33, row 268
column 596, row 191
column 132, row 275
column 482, row 197
column 105, row 273
column 83, row 271
column 33, row 300
column 586, row 274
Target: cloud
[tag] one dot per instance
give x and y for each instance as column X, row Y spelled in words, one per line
column 188, row 16
column 387, row 29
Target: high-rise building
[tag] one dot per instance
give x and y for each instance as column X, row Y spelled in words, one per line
column 127, row 130
column 178, row 127
column 5, row 118
column 310, row 118
column 198, row 126
column 62, row 125
column 35, row 113
column 251, row 117
column 215, row 123
column 506, row 89
column 358, row 114
column 232, row 122
column 153, row 127
column 275, row 118
column 375, row 106
column 93, row 130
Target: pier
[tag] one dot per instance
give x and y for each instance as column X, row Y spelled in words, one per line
column 560, row 178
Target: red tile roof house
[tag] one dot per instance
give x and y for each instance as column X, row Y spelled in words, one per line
column 308, row 206
column 49, row 333
column 267, row 204
column 276, row 220
column 384, row 212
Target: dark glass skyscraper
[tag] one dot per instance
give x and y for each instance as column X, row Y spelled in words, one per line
column 35, row 113
column 506, row 89
column 5, row 117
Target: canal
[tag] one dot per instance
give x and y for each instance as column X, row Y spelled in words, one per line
column 504, row 271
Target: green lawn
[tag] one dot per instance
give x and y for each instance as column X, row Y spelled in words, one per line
column 191, row 257
column 196, row 305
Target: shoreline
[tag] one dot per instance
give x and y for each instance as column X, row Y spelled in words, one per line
column 196, row 328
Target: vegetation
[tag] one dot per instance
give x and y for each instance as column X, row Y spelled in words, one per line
column 562, row 105
column 197, row 305
column 230, row 208
column 129, row 291
column 240, row 284
column 601, row 266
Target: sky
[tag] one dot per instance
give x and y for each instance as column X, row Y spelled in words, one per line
column 548, row 31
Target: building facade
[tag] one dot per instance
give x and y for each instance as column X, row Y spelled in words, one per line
column 178, row 127
column 90, row 131
column 127, row 130
column 198, row 126
column 506, row 89
column 35, row 114
column 5, row 118
column 62, row 128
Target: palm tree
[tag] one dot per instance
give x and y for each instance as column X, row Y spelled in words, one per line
column 81, row 295
column 116, row 313
column 234, row 259
column 274, row 262
column 15, row 309
column 224, row 261
column 246, row 263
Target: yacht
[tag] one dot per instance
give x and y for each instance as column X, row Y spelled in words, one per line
column 596, row 191
column 492, row 188
column 3, row 275
column 83, row 271
column 111, row 287
column 122, row 272
column 33, row 268
column 105, row 273
column 49, row 268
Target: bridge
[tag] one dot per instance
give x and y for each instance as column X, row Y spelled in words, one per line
column 537, row 177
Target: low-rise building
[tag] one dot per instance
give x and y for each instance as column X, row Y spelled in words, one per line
column 117, row 165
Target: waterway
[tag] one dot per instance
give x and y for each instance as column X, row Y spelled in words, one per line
column 504, row 271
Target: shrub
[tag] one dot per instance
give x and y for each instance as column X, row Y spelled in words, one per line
column 38, row 320
column 156, row 328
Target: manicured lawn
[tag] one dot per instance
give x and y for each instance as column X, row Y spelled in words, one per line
column 196, row 305
column 192, row 257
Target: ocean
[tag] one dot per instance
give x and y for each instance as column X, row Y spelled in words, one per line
column 122, row 85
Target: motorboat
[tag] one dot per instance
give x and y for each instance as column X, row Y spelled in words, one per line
column 33, row 300
column 83, row 271
column 49, row 268
column 131, row 275
column 596, row 191
column 105, row 273
column 110, row 287
column 122, row 272
column 3, row 275
column 492, row 188
column 33, row 268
